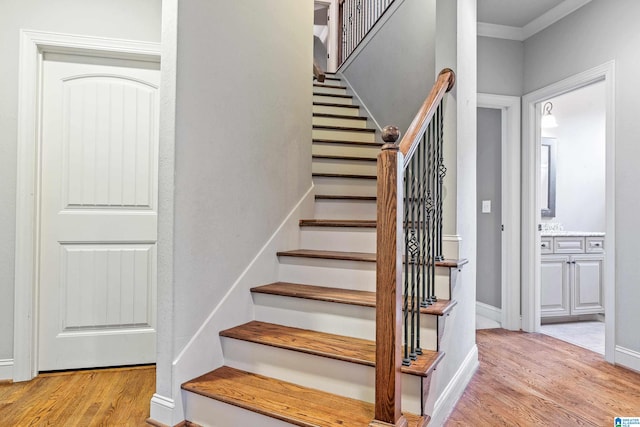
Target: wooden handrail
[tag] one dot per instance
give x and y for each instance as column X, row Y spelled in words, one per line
column 445, row 82
column 317, row 72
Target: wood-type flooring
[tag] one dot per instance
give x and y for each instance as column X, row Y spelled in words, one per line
column 536, row 380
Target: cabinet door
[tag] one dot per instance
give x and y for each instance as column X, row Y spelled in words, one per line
column 554, row 286
column 587, row 295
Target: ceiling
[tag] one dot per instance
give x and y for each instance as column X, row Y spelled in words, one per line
column 520, row 19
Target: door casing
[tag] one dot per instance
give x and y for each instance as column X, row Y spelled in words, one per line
column 532, row 112
column 33, row 46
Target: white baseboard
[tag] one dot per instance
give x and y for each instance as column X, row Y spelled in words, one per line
column 162, row 409
column 489, row 311
column 627, row 358
column 452, row 393
column 6, row 369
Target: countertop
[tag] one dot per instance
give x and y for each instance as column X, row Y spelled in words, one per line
column 562, row 233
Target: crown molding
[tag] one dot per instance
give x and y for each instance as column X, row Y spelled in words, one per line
column 545, row 20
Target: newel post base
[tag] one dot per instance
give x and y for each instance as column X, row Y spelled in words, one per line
column 402, row 422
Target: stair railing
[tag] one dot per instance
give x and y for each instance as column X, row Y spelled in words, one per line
column 409, row 233
column 356, row 18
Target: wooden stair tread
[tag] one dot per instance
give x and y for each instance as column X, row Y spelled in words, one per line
column 357, row 256
column 343, row 128
column 339, row 141
column 339, row 116
column 343, row 175
column 342, row 197
column 332, row 86
column 353, row 158
column 301, row 406
column 355, row 223
column 339, row 347
column 341, row 296
column 332, row 95
column 331, row 104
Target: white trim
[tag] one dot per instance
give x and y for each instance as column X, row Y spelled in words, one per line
column 500, row 31
column 359, row 100
column 543, row 21
column 32, row 46
column 510, row 107
column 628, row 358
column 531, row 209
column 552, row 16
column 489, row 312
column 6, row 369
column 293, row 214
column 161, row 408
column 453, row 391
column 374, row 30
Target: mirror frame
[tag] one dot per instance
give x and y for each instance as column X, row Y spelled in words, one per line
column 550, row 211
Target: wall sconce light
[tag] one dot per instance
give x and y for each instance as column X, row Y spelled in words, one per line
column 548, row 119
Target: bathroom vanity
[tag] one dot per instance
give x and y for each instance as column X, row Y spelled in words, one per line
column 572, row 273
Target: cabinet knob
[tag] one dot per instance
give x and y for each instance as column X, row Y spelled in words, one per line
column 597, row 244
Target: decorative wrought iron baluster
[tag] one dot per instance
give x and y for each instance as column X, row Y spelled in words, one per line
column 442, row 172
column 406, row 359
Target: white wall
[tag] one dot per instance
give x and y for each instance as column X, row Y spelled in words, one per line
column 580, row 158
column 242, row 161
column 602, row 31
column 125, row 19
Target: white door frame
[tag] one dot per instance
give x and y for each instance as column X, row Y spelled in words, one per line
column 33, row 46
column 510, row 147
column 531, row 207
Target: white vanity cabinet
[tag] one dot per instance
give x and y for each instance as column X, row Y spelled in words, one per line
column 571, row 275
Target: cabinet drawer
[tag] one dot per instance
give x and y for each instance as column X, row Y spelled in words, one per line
column 595, row 245
column 546, row 245
column 568, row 245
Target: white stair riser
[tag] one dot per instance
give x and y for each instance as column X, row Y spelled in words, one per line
column 332, row 99
column 334, row 376
column 338, row 239
column 333, row 273
column 330, row 90
column 333, row 318
column 339, row 121
column 343, row 135
column 345, row 186
column 343, row 111
column 337, row 149
column 342, row 274
column 344, row 166
column 344, row 209
column 207, row 412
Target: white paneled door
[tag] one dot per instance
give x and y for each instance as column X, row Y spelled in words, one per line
column 98, row 212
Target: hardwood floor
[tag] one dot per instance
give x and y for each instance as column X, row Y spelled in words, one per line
column 536, row 380
column 101, row 397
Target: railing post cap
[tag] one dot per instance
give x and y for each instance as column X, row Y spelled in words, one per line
column 452, row 79
column 390, row 134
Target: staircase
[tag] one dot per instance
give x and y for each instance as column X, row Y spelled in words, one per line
column 308, row 358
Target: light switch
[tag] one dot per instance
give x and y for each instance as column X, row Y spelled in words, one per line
column 486, row 206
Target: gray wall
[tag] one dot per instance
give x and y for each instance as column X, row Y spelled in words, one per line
column 243, row 141
column 489, row 176
column 580, row 158
column 394, row 72
column 500, row 66
column 601, row 31
column 127, row 19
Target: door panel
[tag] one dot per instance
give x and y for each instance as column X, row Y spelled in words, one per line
column 98, row 215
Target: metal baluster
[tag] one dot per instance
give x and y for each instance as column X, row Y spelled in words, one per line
column 442, row 172
column 432, row 229
column 413, row 249
column 406, row 360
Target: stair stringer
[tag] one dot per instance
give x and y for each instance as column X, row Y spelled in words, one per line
column 203, row 352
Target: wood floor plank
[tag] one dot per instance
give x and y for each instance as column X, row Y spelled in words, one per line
column 339, row 347
column 101, row 397
column 533, row 379
column 289, row 402
column 341, row 296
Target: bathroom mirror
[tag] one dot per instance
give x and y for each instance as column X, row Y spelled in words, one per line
column 548, row 177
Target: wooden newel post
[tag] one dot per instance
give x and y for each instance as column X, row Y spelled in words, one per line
column 389, row 284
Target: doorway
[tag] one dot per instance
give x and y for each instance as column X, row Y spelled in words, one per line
column 505, row 227
column 576, row 265
column 67, row 195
